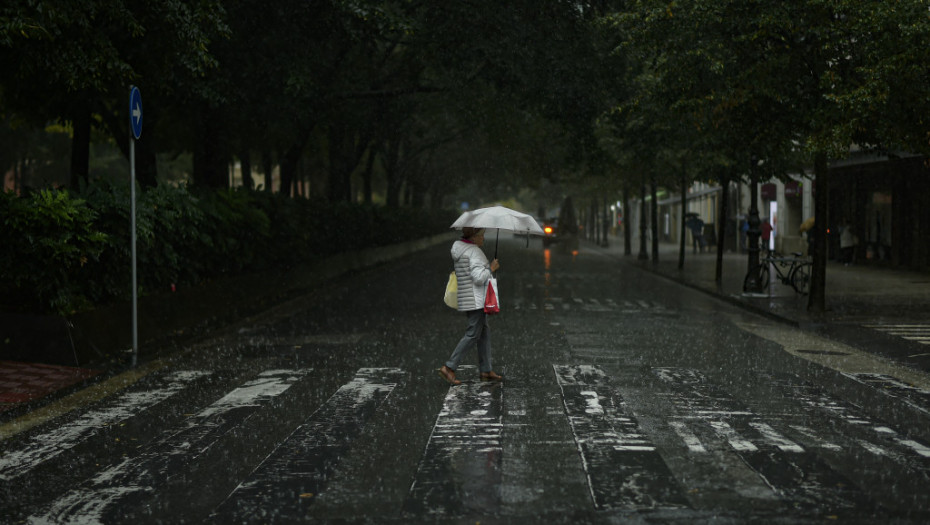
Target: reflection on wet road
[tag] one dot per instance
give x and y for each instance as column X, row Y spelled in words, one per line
column 625, row 396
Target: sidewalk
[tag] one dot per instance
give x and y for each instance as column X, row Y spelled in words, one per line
column 24, row 382
column 856, row 295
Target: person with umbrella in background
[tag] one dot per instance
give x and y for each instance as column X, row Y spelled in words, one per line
column 472, row 270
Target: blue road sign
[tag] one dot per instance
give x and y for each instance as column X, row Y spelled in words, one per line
column 135, row 112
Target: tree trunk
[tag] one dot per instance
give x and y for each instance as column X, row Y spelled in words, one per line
column 80, row 147
column 289, row 162
column 643, row 255
column 367, row 176
column 267, row 169
column 210, row 164
column 654, row 208
column 606, row 222
column 209, row 167
column 752, row 284
column 682, row 226
column 338, row 184
column 722, row 228
column 591, row 222
column 816, row 301
column 392, row 173
column 627, row 234
column 417, row 195
column 245, row 164
column 18, row 177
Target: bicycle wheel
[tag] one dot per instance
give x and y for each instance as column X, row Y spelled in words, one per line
column 801, row 278
column 763, row 277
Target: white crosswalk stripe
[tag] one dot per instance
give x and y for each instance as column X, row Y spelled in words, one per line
column 304, row 462
column 46, row 446
column 93, row 501
column 919, row 333
column 591, row 304
column 626, row 462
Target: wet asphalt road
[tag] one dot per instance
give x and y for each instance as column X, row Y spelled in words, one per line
column 627, row 398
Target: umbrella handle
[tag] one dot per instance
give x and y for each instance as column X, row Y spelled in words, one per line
column 496, row 242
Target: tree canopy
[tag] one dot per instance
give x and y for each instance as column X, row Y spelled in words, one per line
column 335, row 90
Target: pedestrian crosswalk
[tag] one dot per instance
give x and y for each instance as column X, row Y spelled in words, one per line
column 46, row 446
column 297, row 470
column 917, row 332
column 589, row 304
column 98, row 499
column 627, row 465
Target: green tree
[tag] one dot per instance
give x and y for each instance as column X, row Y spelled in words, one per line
column 770, row 79
column 71, row 61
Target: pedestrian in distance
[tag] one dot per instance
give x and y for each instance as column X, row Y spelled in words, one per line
column 848, row 242
column 807, row 228
column 472, row 270
column 766, row 229
column 696, row 225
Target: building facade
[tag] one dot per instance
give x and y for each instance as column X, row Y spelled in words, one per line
column 884, row 200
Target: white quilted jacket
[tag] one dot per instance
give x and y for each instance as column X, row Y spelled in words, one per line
column 472, row 270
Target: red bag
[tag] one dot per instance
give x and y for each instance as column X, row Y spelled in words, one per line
column 491, row 304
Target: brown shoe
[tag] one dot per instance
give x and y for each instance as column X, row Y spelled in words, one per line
column 491, row 376
column 449, row 375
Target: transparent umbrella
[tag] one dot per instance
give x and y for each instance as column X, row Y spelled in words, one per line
column 500, row 218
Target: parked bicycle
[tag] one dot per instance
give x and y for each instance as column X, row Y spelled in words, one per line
column 794, row 271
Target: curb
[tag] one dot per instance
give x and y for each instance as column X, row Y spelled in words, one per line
column 104, row 334
column 648, row 267
column 100, row 338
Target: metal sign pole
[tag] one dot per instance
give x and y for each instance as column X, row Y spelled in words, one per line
column 135, row 288
column 135, row 126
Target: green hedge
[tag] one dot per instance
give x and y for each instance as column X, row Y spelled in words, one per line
column 67, row 252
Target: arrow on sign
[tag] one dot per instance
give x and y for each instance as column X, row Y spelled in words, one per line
column 137, row 112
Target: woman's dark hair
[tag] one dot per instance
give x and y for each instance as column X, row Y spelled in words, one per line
column 468, row 232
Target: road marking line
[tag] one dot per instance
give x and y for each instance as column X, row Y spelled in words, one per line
column 79, row 399
column 814, row 398
column 46, row 446
column 809, row 482
column 691, row 440
column 304, row 462
column 774, row 438
column 460, row 471
column 732, row 437
column 623, row 468
column 95, row 500
column 810, row 434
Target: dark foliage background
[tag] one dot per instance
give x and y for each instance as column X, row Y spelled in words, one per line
column 65, row 252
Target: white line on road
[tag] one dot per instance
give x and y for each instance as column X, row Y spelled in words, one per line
column 774, row 438
column 464, row 450
column 733, row 438
column 691, row 440
column 622, row 466
column 810, row 434
column 46, row 446
column 304, row 462
column 142, row 474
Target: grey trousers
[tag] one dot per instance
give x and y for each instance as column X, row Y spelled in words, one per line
column 478, row 332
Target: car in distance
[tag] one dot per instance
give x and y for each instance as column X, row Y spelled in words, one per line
column 551, row 231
